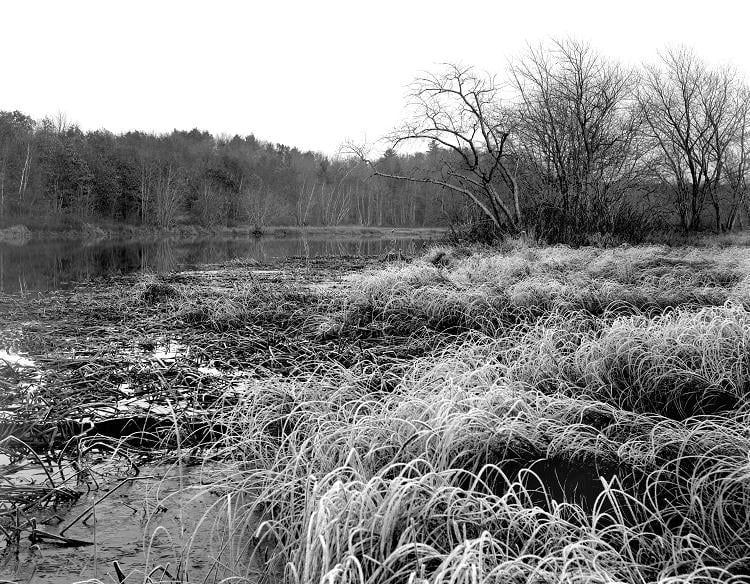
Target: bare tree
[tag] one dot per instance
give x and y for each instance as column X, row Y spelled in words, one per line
column 260, row 204
column 23, row 184
column 460, row 110
column 304, row 203
column 168, row 196
column 737, row 161
column 145, row 179
column 693, row 115
column 335, row 200
column 210, row 202
column 577, row 133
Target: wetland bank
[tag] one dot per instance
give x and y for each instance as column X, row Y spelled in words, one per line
column 80, row 379
column 508, row 414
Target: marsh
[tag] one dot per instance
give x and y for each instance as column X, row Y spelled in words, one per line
column 510, row 401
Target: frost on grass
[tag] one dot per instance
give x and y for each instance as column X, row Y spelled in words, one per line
column 582, row 419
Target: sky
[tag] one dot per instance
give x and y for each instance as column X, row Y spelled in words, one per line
column 310, row 74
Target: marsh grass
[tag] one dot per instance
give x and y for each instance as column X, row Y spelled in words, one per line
column 525, row 414
column 585, row 423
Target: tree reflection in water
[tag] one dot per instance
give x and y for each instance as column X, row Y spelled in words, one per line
column 49, row 265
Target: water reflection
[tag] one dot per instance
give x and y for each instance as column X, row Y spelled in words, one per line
column 46, row 265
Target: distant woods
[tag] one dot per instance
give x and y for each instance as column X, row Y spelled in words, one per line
column 51, row 170
column 566, row 146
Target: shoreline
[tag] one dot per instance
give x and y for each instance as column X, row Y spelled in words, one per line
column 20, row 234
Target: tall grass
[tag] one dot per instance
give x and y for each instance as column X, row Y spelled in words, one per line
column 488, row 291
column 585, row 423
column 681, row 363
column 380, row 490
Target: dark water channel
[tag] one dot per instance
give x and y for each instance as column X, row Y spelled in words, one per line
column 48, row 265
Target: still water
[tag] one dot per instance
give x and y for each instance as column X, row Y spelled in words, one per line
column 49, row 265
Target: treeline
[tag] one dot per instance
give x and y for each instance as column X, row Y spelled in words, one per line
column 51, row 168
column 567, row 143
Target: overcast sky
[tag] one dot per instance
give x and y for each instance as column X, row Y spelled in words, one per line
column 310, row 73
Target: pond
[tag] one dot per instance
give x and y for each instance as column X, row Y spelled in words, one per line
column 49, row 265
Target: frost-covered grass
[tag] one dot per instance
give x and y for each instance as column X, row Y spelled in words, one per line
column 489, row 290
column 586, row 421
column 371, row 490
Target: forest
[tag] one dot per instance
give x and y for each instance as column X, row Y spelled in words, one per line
column 192, row 177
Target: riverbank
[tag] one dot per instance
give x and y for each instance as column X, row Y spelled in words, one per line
column 496, row 415
column 20, row 233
